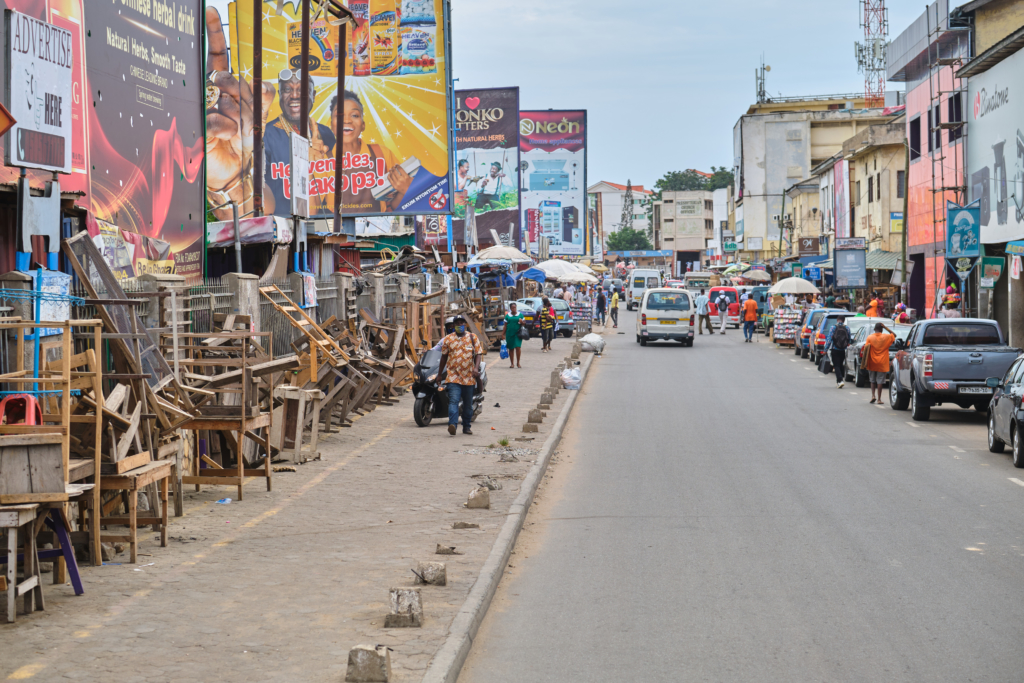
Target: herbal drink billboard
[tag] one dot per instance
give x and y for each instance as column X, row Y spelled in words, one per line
column 393, row 113
column 146, row 147
column 487, row 166
column 553, row 151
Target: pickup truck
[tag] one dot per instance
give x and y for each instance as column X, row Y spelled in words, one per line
column 947, row 360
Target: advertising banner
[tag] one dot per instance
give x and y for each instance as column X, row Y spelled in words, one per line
column 487, row 166
column 995, row 155
column 393, row 115
column 40, row 64
column 895, row 222
column 991, row 270
column 553, row 150
column 851, row 268
column 841, row 170
column 432, row 231
column 808, row 246
column 963, row 237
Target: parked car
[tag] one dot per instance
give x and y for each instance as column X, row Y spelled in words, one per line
column 810, row 322
column 1005, row 413
column 639, row 280
column 732, row 316
column 566, row 325
column 828, row 322
column 612, row 285
column 665, row 314
column 861, row 329
column 948, row 360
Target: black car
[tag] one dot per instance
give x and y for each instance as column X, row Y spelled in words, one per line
column 1005, row 414
column 612, row 285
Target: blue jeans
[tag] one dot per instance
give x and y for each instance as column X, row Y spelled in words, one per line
column 748, row 329
column 465, row 392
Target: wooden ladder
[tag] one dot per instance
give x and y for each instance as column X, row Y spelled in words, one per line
column 318, row 339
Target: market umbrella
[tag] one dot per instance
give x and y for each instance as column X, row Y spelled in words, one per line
column 736, row 268
column 758, row 275
column 502, row 253
column 578, row 279
column 555, row 269
column 584, row 268
column 793, row 285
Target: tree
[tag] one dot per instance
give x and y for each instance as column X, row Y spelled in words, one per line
column 628, row 239
column 627, row 207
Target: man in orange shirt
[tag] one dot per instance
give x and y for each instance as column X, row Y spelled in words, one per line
column 749, row 319
column 876, row 359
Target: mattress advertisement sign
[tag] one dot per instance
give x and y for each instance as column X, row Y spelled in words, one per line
column 553, row 165
column 394, row 113
column 995, row 155
column 487, row 166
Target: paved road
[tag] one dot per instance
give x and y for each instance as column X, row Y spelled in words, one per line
column 724, row 513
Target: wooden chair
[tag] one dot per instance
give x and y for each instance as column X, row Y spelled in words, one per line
column 131, row 482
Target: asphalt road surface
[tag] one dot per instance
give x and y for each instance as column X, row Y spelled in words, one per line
column 724, row 513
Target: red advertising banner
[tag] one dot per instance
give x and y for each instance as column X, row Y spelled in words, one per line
column 551, row 130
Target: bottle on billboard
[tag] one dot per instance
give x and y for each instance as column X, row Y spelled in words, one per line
column 385, row 39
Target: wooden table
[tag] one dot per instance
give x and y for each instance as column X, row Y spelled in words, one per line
column 20, row 520
column 130, row 482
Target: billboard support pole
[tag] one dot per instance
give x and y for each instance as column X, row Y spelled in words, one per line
column 304, row 92
column 338, row 153
column 257, row 113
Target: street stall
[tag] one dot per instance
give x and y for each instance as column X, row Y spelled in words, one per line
column 787, row 317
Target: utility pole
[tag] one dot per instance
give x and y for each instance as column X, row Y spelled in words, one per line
column 906, row 216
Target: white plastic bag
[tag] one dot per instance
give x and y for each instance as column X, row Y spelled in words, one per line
column 571, row 378
column 593, row 342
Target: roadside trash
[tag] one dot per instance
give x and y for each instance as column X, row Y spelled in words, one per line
column 497, row 405
column 503, row 352
column 224, row 501
column 593, row 342
column 284, row 468
column 571, row 378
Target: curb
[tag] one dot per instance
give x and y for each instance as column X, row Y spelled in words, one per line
column 447, row 663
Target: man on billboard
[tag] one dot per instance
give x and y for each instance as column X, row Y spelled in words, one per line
column 490, row 187
column 277, row 141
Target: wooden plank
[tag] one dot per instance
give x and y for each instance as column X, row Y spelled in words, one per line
column 29, row 439
column 16, row 498
column 15, row 477
column 214, row 480
column 126, row 437
column 128, row 463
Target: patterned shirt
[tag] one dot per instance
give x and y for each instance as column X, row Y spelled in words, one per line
column 460, row 352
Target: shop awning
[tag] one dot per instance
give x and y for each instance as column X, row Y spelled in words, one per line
column 875, row 260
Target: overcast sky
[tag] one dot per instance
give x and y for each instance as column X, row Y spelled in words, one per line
column 664, row 81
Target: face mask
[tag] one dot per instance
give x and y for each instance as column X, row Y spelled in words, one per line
column 460, row 330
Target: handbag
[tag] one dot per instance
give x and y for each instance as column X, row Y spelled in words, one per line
column 524, row 333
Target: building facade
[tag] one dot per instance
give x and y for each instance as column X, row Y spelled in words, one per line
column 876, row 158
column 687, row 226
column 608, row 198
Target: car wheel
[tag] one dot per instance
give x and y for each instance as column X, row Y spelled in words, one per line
column 796, row 349
column 919, row 409
column 804, row 353
column 638, row 339
column 860, row 377
column 1018, row 450
column 995, row 444
column 981, row 406
column 643, row 342
column 897, row 399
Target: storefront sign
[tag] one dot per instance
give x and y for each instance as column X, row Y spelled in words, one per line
column 851, row 268
column 895, row 221
column 992, row 269
column 797, row 269
column 850, row 243
column 40, row 61
column 813, row 273
column 808, row 246
column 300, row 175
column 729, row 246
column 1015, row 267
column 754, row 243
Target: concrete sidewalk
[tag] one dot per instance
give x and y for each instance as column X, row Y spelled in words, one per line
column 280, row 586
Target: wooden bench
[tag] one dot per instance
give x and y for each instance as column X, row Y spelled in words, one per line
column 130, row 482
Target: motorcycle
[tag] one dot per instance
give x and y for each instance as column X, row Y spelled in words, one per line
column 429, row 390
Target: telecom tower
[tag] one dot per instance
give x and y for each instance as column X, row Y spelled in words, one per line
column 871, row 53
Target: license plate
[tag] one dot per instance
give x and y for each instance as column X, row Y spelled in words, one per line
column 561, row 317
column 975, row 390
column 668, row 322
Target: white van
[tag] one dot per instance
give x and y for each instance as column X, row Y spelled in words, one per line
column 639, row 281
column 666, row 314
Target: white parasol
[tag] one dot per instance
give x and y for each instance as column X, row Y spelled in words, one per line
column 501, row 253
column 578, row 279
column 793, row 285
column 555, row 269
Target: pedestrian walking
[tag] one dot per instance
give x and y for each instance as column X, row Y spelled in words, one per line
column 877, row 359
column 602, row 304
column 836, row 344
column 460, row 355
column 615, row 308
column 547, row 324
column 513, row 323
column 703, row 303
column 749, row 319
column 874, row 307
column 558, row 292
column 722, row 302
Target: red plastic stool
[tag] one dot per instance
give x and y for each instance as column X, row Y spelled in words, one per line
column 20, row 409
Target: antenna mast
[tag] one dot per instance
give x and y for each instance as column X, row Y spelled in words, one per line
column 871, row 54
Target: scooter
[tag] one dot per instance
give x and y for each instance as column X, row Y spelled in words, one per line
column 429, row 390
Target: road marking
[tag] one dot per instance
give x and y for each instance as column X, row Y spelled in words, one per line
column 792, row 360
column 853, row 393
column 1016, row 481
column 914, row 425
column 958, row 450
column 806, row 368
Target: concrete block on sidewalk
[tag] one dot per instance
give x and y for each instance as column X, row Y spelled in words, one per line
column 447, row 549
column 535, row 416
column 530, row 427
column 432, row 573
column 406, row 609
column 369, row 664
column 465, row 525
column 479, row 498
column 577, row 349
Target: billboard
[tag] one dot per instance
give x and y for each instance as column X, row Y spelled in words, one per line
column 995, row 156
column 841, row 170
column 393, row 114
column 487, row 166
column 553, row 167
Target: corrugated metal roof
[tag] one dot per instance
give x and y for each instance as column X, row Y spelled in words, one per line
column 875, row 260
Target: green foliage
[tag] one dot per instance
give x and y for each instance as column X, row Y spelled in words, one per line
column 682, row 181
column 506, row 200
column 628, row 239
column 503, row 441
